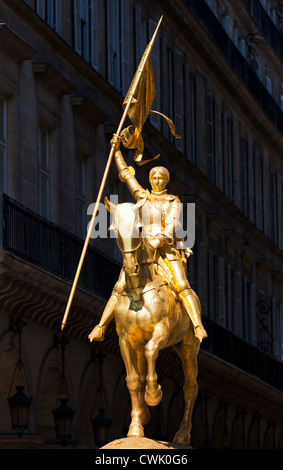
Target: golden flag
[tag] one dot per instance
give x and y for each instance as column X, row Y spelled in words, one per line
column 144, row 94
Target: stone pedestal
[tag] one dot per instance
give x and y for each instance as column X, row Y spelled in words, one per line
column 142, row 443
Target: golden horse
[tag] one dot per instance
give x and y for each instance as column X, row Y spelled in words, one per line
column 149, row 317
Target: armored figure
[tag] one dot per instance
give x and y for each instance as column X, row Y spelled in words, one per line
column 160, row 218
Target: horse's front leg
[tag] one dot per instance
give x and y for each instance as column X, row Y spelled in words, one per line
column 132, row 380
column 153, row 392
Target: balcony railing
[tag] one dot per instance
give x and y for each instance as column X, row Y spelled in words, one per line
column 266, row 25
column 237, row 61
column 39, row 242
column 45, row 245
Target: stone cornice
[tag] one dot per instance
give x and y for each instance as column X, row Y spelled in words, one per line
column 52, row 79
column 88, row 111
column 13, row 44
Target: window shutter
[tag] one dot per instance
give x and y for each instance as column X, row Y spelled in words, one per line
column 93, row 18
column 41, row 8
column 154, row 58
column 186, row 111
column 179, row 99
column 202, row 271
column 139, row 36
column 110, row 39
column 126, row 79
column 221, row 291
column 58, row 17
column 211, row 297
column 77, row 27
column 238, row 324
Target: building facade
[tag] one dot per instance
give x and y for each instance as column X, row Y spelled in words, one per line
column 65, row 69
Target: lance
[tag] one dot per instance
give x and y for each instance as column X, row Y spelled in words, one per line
column 132, row 90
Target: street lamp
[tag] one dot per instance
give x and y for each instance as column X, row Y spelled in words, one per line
column 20, row 403
column 101, row 423
column 63, row 415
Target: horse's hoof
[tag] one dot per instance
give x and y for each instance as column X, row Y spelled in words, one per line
column 135, row 430
column 145, row 417
column 153, row 398
column 182, row 439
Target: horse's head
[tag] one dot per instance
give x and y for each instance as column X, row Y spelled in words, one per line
column 126, row 226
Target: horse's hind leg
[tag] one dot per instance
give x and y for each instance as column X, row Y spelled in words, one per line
column 188, row 350
column 132, row 380
column 153, row 392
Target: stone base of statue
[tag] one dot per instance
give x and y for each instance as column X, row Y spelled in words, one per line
column 142, row 443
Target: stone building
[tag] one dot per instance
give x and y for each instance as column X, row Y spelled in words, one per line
column 65, row 67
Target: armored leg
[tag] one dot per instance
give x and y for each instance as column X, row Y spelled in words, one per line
column 187, row 296
column 98, row 332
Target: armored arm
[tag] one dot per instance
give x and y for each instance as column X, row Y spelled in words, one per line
column 126, row 173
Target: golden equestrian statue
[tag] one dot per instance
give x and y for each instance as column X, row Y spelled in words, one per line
column 152, row 302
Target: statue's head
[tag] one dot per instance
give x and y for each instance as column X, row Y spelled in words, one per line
column 159, row 177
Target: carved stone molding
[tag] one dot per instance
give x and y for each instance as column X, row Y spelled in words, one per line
column 14, row 45
column 52, row 79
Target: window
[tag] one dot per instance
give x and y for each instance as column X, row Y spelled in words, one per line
column 81, row 198
column 118, row 44
column 85, row 30
column 244, row 148
column 261, row 219
column 274, row 206
column 193, row 116
column 230, row 158
column 247, row 310
column 44, row 161
column 213, row 292
column 3, row 145
column 268, row 84
column 230, row 298
column 171, row 88
column 226, row 24
column 242, row 47
column 51, row 12
column 210, row 136
column 279, row 338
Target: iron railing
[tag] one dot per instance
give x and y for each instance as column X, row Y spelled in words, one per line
column 237, row 61
column 45, row 245
column 42, row 243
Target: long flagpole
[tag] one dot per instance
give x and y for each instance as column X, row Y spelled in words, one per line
column 106, row 171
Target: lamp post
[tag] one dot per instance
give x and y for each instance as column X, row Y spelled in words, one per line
column 101, row 423
column 20, row 403
column 63, row 414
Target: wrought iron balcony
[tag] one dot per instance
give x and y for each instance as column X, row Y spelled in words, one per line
column 47, row 246
column 230, row 348
column 236, row 60
column 266, row 25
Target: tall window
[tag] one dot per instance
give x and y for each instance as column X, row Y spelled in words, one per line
column 118, row 48
column 244, row 148
column 274, row 206
column 230, row 298
column 279, row 338
column 44, row 173
column 229, row 170
column 3, row 145
column 261, row 195
column 81, row 198
column 210, row 123
column 51, row 12
column 193, row 115
column 85, row 30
